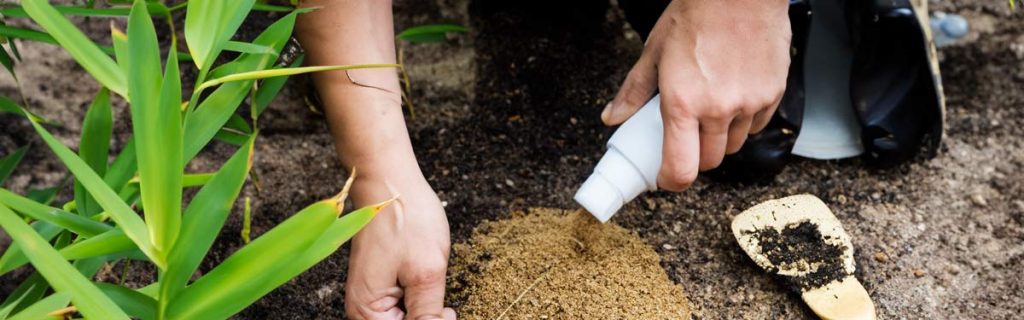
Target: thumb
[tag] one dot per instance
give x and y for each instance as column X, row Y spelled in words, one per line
column 640, row 84
column 424, row 291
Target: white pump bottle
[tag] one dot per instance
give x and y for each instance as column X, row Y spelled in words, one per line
column 629, row 167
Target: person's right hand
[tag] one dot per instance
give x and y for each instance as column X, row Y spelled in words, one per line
column 721, row 69
column 402, row 254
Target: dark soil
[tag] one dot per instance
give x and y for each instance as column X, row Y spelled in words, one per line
column 508, row 119
column 801, row 246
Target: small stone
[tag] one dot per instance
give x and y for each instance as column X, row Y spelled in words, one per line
column 979, row 200
column 919, row 273
column 881, row 257
column 668, row 247
column 876, row 196
column 510, row 183
column 841, row 199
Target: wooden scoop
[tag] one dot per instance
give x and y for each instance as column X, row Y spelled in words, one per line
column 799, row 239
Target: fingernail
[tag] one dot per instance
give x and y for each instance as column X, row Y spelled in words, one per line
column 606, row 114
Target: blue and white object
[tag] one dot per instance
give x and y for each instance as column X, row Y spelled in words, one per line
column 947, row 28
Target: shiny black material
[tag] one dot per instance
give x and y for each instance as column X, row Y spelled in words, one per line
column 892, row 86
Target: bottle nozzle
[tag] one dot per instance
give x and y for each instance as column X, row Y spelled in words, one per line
column 600, row 197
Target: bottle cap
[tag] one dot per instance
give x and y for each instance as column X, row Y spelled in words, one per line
column 955, row 26
column 600, row 197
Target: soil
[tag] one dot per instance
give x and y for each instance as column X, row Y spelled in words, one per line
column 552, row 263
column 801, row 247
column 508, row 118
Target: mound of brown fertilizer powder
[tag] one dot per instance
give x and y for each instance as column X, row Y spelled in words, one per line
column 556, row 264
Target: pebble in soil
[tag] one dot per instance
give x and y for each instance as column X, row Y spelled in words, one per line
column 551, row 263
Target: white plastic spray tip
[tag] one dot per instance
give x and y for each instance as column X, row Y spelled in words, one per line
column 600, row 197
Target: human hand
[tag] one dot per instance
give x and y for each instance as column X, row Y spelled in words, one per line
column 401, row 254
column 721, row 69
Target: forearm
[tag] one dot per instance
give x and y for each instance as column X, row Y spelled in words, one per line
column 367, row 123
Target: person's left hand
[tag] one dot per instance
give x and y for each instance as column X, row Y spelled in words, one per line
column 721, row 69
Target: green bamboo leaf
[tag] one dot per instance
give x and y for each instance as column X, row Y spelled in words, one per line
column 27, row 34
column 429, row 33
column 33, row 288
column 110, row 242
column 43, row 37
column 336, row 235
column 271, row 8
column 203, row 219
column 63, row 277
column 155, row 8
column 134, row 303
column 6, row 311
column 270, row 87
column 14, row 258
column 231, row 136
column 261, row 74
column 10, row 161
column 237, row 123
column 47, row 195
column 123, row 168
column 196, row 179
column 120, row 44
column 156, row 120
column 233, row 285
column 190, row 180
column 209, row 24
column 202, row 124
column 9, row 106
column 43, row 308
column 70, row 221
column 107, row 243
column 150, row 290
column 94, row 146
column 246, row 47
column 126, row 219
column 88, row 55
column 28, row 292
column 14, row 49
column 7, row 62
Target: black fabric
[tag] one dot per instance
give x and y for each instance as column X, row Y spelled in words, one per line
column 643, row 14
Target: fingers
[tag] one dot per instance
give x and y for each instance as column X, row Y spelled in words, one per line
column 639, row 86
column 714, row 137
column 449, row 314
column 762, row 118
column 738, row 131
column 680, row 152
column 424, row 288
column 371, row 290
column 385, row 308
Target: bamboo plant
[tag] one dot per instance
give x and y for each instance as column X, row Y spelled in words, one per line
column 133, row 208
